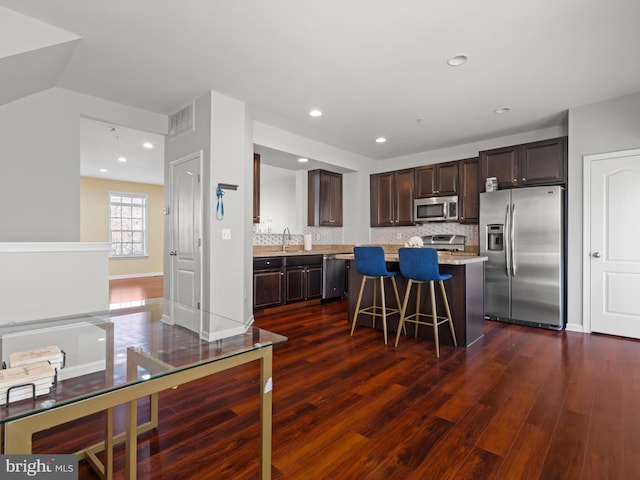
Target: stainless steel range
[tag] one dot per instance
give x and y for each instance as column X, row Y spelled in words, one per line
column 448, row 242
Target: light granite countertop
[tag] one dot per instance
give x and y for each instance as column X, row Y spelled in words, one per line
column 345, row 252
column 276, row 250
column 444, row 258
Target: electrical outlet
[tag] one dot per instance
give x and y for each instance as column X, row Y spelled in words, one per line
column 399, row 236
column 226, row 234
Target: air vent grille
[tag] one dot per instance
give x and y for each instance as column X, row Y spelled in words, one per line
column 182, row 121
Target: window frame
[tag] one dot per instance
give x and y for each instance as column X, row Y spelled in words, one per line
column 143, row 231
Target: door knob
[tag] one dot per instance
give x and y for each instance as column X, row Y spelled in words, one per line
column 173, row 253
column 595, row 254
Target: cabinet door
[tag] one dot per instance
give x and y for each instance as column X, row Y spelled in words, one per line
column 267, row 289
column 501, row 163
column 425, row 181
column 404, row 196
column 447, row 178
column 256, row 188
column 334, row 195
column 543, row 163
column 313, row 278
column 295, row 283
column 381, row 197
column 325, row 199
column 469, row 195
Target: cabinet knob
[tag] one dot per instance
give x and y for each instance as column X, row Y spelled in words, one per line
column 515, row 180
column 523, row 179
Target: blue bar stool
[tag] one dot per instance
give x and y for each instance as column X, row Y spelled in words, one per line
column 371, row 264
column 420, row 265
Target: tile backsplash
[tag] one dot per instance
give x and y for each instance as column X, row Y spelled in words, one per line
column 386, row 235
column 319, row 236
column 397, row 235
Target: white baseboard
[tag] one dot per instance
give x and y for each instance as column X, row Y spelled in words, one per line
column 575, row 327
column 136, row 275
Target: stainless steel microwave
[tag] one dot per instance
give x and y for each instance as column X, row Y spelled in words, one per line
column 435, row 209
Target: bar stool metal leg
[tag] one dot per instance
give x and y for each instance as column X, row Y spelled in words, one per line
column 357, row 311
column 434, row 317
column 446, row 307
column 384, row 309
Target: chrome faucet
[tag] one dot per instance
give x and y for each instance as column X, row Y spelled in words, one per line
column 286, row 238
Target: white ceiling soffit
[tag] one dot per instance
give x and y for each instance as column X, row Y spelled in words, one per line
column 277, row 158
column 374, row 67
column 33, row 54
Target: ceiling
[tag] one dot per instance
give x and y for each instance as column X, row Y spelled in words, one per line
column 374, row 67
column 103, row 144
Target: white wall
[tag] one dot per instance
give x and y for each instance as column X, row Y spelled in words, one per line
column 179, row 147
column 467, row 150
column 597, row 128
column 41, row 280
column 231, row 162
column 223, row 135
column 279, row 204
column 355, row 186
column 40, row 164
column 40, row 161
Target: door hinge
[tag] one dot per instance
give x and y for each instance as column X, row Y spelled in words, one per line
column 198, row 305
column 198, row 178
column 199, row 242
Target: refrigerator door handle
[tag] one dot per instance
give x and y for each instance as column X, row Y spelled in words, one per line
column 507, row 246
column 513, row 240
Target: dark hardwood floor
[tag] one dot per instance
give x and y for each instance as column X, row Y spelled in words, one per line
column 133, row 289
column 521, row 403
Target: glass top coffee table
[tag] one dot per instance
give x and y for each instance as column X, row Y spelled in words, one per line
column 116, row 357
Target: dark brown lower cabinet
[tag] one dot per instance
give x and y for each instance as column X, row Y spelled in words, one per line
column 303, row 278
column 268, row 282
column 286, row 279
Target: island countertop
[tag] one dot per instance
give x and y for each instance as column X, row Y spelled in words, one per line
column 444, row 258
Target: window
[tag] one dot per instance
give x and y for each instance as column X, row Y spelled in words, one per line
column 128, row 224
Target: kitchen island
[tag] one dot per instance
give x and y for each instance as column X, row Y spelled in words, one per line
column 465, row 291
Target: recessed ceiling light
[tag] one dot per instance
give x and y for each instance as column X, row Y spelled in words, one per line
column 122, row 159
column 500, row 111
column 147, row 145
column 315, row 113
column 381, row 140
column 458, row 60
column 103, row 170
column 303, row 160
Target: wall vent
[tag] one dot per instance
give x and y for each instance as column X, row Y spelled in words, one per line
column 182, row 121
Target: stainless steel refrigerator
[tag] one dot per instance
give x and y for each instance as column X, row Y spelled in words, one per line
column 522, row 233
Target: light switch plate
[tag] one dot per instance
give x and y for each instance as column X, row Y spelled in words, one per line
column 226, row 234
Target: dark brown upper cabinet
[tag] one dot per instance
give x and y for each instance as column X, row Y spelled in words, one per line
column 436, row 179
column 324, row 199
column 469, row 194
column 535, row 163
column 392, row 195
column 256, row 188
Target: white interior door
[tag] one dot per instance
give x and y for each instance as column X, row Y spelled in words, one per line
column 186, row 227
column 614, row 230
